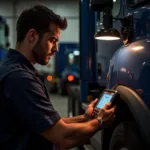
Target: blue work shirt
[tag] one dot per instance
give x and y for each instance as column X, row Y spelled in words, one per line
column 25, row 106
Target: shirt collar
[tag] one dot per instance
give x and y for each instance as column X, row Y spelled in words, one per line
column 21, row 59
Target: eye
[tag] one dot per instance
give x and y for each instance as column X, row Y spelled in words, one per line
column 52, row 41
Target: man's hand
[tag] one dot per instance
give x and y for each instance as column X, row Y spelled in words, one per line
column 107, row 115
column 89, row 109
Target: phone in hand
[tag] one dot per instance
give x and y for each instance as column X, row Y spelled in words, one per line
column 106, row 97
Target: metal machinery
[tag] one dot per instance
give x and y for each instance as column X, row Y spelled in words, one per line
column 128, row 71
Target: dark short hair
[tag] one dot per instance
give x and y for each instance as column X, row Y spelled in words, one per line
column 39, row 18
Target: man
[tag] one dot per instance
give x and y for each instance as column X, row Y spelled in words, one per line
column 28, row 119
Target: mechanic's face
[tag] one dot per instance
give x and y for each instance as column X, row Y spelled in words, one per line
column 46, row 46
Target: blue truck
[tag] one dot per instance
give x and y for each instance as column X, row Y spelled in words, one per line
column 4, row 34
column 67, row 66
column 127, row 70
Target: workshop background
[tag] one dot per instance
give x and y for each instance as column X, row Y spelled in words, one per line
column 11, row 9
column 105, row 46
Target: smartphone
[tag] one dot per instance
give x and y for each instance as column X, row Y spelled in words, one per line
column 106, row 97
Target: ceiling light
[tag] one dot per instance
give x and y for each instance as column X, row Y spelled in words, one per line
column 107, row 34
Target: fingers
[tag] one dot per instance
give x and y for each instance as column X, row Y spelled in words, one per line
column 112, row 109
column 107, row 113
column 107, row 106
column 94, row 102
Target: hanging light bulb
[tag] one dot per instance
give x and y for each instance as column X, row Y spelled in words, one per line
column 105, row 30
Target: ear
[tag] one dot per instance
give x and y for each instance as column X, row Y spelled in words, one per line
column 32, row 36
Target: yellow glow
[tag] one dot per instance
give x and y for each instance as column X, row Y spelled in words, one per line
column 107, row 38
column 123, row 70
column 137, row 48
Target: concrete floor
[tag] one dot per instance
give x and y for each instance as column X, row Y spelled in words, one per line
column 60, row 104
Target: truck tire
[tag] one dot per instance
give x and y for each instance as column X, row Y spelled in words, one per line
column 125, row 137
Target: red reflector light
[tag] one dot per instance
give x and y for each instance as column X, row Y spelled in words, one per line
column 70, row 78
column 49, row 78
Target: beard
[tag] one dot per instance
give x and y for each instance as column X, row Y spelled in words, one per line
column 39, row 54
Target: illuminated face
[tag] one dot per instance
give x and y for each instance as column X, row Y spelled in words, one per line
column 47, row 45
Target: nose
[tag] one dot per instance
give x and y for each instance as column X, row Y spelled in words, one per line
column 55, row 48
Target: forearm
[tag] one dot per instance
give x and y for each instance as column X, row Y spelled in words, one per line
column 66, row 136
column 78, row 134
column 76, row 119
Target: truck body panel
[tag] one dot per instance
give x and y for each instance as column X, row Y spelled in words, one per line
column 127, row 64
column 132, row 62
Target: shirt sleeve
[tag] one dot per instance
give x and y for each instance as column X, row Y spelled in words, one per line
column 29, row 102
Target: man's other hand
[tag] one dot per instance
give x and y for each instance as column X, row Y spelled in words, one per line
column 107, row 115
